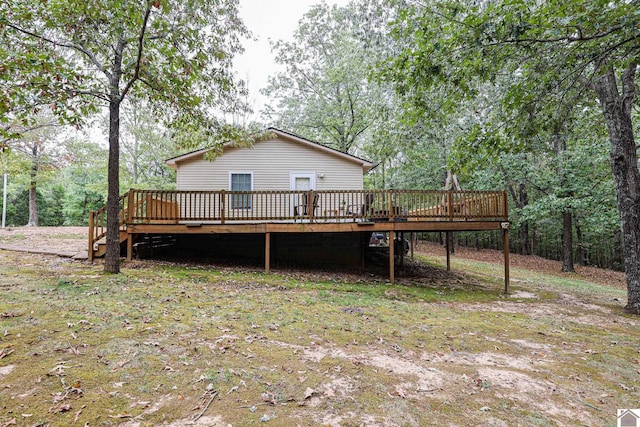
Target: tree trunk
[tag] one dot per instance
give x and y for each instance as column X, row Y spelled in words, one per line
column 112, row 257
column 521, row 199
column 616, row 109
column 567, row 242
column 524, row 227
column 580, row 257
column 33, row 187
column 135, row 160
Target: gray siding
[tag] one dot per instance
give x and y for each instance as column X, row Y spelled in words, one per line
column 271, row 163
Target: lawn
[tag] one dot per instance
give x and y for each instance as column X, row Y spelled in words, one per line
column 209, row 345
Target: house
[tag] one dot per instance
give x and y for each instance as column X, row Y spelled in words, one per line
column 628, row 418
column 288, row 200
column 282, row 162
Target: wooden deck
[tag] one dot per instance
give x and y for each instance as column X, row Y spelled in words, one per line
column 265, row 212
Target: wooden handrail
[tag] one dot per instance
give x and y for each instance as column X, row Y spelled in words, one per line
column 229, row 206
column 98, row 222
column 179, row 206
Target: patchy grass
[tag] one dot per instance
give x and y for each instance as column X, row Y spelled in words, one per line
column 175, row 345
column 12, row 238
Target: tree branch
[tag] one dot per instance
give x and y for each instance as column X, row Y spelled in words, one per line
column 148, row 83
column 628, row 86
column 136, row 73
column 82, row 48
column 579, row 38
column 77, row 47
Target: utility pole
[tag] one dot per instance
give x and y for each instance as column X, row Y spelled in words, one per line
column 3, row 149
column 4, row 201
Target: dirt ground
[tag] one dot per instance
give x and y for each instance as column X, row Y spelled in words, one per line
column 541, row 351
column 62, row 240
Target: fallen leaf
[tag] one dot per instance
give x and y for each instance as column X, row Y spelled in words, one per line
column 121, row 416
column 62, row 408
column 11, row 422
column 400, row 393
column 308, row 393
column 144, row 404
column 8, row 314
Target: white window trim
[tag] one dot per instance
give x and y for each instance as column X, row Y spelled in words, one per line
column 240, row 173
column 231, row 173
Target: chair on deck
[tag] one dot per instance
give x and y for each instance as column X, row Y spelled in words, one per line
column 363, row 211
column 304, row 208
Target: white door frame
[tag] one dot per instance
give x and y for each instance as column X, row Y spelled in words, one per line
column 294, row 199
column 294, row 175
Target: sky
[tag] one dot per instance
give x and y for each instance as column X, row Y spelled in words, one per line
column 268, row 19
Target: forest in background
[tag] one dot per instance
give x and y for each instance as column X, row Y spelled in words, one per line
column 399, row 84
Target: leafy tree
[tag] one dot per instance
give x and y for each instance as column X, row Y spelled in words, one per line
column 325, row 94
column 176, row 54
column 49, row 205
column 84, row 178
column 37, row 146
column 552, row 53
column 146, row 145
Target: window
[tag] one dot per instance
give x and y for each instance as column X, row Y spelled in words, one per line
column 241, row 181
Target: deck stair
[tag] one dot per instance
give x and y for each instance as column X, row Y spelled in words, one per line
column 98, row 229
column 100, row 247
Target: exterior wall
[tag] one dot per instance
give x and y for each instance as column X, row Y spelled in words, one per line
column 271, row 163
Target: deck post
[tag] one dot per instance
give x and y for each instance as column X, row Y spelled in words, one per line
column 364, row 242
column 267, row 252
column 392, row 273
column 222, row 207
column 91, row 225
column 505, row 240
column 447, row 238
column 412, row 239
column 402, row 251
column 130, row 208
column 129, row 246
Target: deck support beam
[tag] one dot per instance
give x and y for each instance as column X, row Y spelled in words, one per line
column 129, row 247
column 392, row 273
column 91, row 222
column 402, row 251
column 505, row 241
column 447, row 237
column 267, row 253
column 364, row 242
column 412, row 241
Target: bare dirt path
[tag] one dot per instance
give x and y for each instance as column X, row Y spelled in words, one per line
column 62, row 241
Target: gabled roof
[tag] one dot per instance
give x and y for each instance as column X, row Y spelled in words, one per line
column 280, row 134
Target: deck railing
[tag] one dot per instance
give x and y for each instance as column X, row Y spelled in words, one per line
column 156, row 206
column 98, row 221
column 222, row 207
